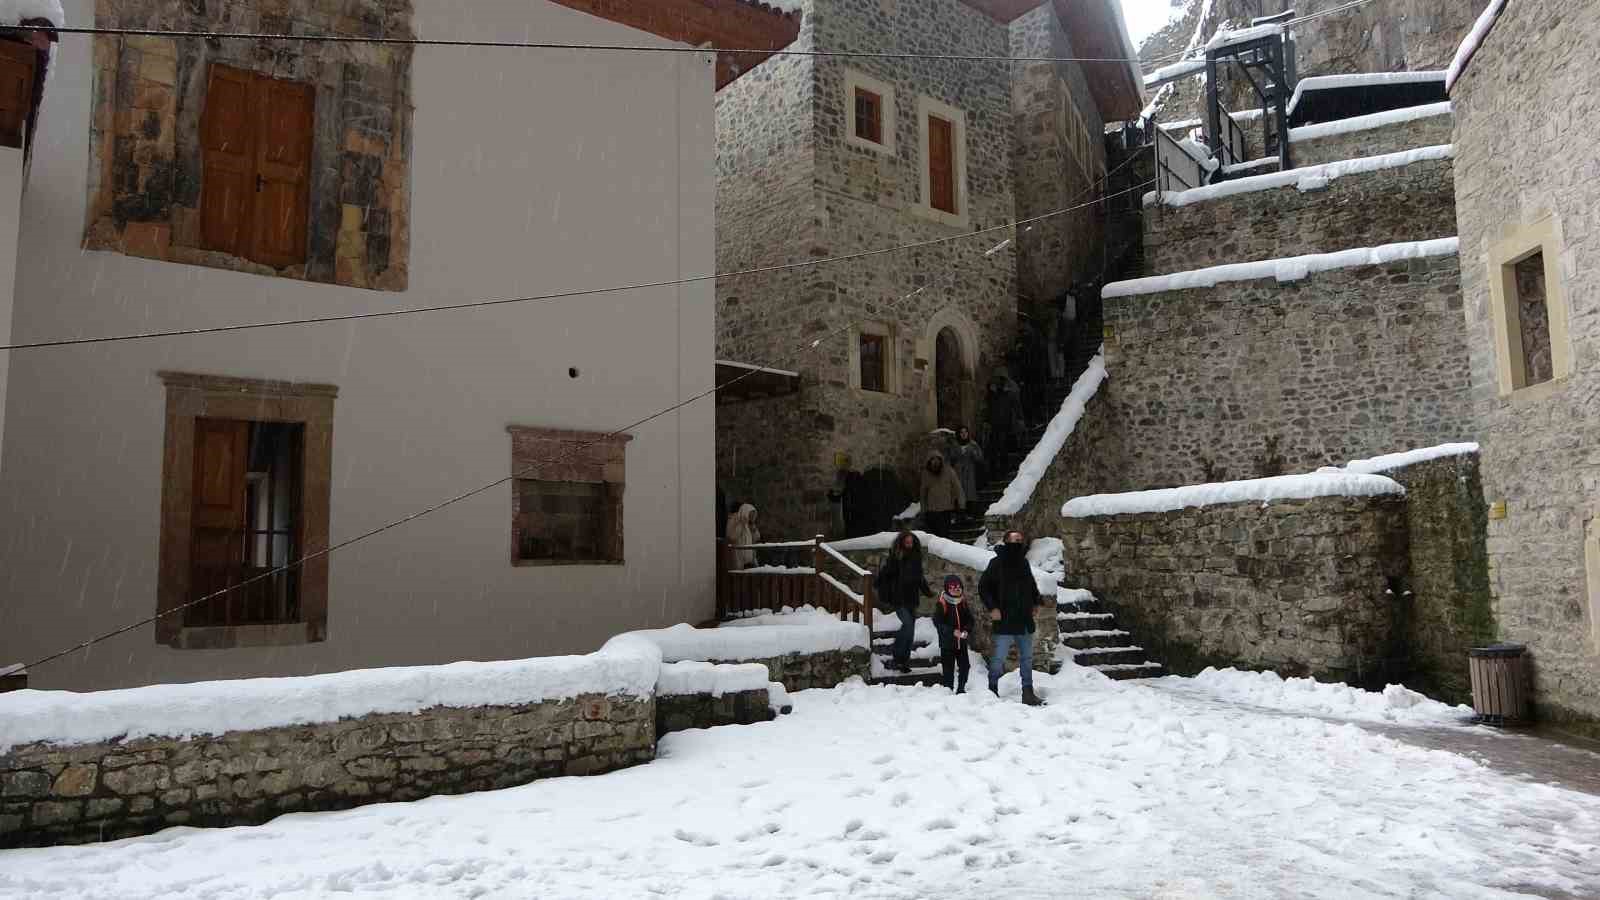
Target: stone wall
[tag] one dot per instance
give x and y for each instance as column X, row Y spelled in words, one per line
column 1303, row 587
column 103, row 791
column 682, row 712
column 1428, row 132
column 1258, row 378
column 1049, row 169
column 805, row 671
column 1528, row 144
column 1407, row 203
column 818, row 195
column 1448, row 608
column 145, row 143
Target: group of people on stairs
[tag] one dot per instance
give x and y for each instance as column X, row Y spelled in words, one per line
column 950, row 483
column 1006, row 590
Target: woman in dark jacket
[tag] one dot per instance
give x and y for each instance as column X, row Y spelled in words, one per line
column 901, row 584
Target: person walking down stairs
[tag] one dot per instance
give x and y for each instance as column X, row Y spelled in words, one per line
column 1009, row 592
column 901, row 583
column 966, row 458
column 952, row 619
column 942, row 496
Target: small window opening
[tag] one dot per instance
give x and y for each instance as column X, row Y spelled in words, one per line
column 869, row 116
column 1533, row 320
column 873, row 370
column 568, row 521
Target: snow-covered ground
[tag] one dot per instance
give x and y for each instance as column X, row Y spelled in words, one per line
column 1115, row 790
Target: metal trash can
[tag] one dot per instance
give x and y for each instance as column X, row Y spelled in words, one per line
column 1499, row 688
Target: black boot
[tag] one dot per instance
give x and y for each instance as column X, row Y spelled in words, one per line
column 1029, row 698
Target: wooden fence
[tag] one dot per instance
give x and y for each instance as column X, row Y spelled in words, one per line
column 742, row 591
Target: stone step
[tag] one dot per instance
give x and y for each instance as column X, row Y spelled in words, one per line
column 1084, row 620
column 1108, row 656
column 1089, row 604
column 1085, row 640
column 928, row 678
column 1126, row 672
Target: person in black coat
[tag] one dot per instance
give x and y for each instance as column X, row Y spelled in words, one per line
column 1009, row 592
column 901, row 584
column 952, row 618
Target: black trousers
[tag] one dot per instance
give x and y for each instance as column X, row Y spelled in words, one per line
column 939, row 522
column 953, row 658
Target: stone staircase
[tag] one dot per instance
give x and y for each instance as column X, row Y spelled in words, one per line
column 925, row 670
column 1091, row 637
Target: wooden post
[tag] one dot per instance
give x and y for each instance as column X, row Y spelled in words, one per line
column 866, row 603
column 823, row 595
column 722, row 580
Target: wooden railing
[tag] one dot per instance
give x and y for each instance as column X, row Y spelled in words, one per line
column 744, row 591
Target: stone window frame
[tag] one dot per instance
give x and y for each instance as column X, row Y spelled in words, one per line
column 891, row 357
column 192, row 396
column 1517, row 244
column 1591, row 569
column 928, row 107
column 853, row 80
column 560, row 454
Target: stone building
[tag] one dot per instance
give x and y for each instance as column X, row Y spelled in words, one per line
column 183, row 184
column 1526, row 138
column 828, row 156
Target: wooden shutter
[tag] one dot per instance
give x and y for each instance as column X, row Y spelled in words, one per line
column 869, row 116
column 941, row 165
column 283, row 170
column 16, row 91
column 227, row 142
column 872, row 363
column 221, row 447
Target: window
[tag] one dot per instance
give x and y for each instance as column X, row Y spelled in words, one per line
column 245, row 490
column 872, row 363
column 869, row 112
column 873, row 358
column 566, row 498
column 941, row 165
column 943, row 136
column 1532, row 347
column 869, row 116
column 256, row 166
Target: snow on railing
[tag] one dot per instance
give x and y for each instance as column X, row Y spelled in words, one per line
column 837, row 584
column 774, row 587
column 1325, row 482
column 1289, row 268
column 1370, row 121
column 845, row 560
column 1474, row 39
column 1037, row 462
column 1307, row 178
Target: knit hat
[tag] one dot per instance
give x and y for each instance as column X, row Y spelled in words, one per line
column 953, row 580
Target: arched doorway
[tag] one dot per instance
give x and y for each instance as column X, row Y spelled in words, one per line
column 949, row 371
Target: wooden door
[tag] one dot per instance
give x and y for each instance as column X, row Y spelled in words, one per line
column 941, row 165
column 16, row 91
column 227, row 140
column 283, row 171
column 221, row 448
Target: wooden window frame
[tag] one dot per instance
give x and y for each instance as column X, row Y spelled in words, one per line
column 565, row 455
column 859, row 82
column 1543, row 236
column 869, row 115
column 249, row 164
column 891, row 357
column 194, row 396
column 929, row 108
column 15, row 113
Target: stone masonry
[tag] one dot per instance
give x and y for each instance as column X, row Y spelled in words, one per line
column 1303, row 587
column 805, row 671
column 1408, row 203
column 681, row 712
column 1528, row 147
column 1426, row 132
column 145, row 147
column 791, row 187
column 105, row 791
column 1257, row 378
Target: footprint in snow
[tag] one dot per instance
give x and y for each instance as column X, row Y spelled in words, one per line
column 942, row 823
column 883, row 760
column 759, row 782
column 861, row 792
column 852, row 826
column 1006, row 809
column 699, row 840
column 776, row 859
column 901, row 798
column 948, row 746
column 882, row 857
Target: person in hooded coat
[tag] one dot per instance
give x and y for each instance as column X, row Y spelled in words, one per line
column 1005, row 415
column 901, row 583
column 742, row 531
column 941, row 495
column 1009, row 592
column 966, row 457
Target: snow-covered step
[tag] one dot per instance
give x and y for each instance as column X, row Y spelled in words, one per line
column 1083, row 616
column 1094, row 637
column 1110, row 656
column 1125, row 671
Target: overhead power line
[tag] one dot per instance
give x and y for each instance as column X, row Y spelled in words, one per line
column 572, row 449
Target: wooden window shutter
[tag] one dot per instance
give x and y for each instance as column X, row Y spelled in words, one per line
column 941, row 165
column 16, row 91
column 283, row 171
column 256, row 137
column 217, row 556
column 227, row 133
column 869, row 116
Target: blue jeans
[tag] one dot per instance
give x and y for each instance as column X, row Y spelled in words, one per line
column 907, row 632
column 997, row 662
